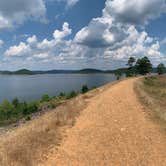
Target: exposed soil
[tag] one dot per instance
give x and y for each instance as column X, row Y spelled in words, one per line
column 113, row 130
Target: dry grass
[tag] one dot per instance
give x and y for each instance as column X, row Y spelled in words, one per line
column 152, row 93
column 28, row 144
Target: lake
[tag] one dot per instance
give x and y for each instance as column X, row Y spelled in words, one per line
column 30, row 87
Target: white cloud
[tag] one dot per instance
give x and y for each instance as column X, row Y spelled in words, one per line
column 20, row 50
column 16, row 12
column 41, row 55
column 46, row 44
column 32, row 40
column 45, row 51
column 115, row 35
column 101, row 32
column 134, row 11
column 58, row 35
column 107, row 41
column 69, row 3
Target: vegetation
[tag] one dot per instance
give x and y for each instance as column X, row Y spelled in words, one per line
column 161, row 69
column 11, row 112
column 143, row 66
column 84, row 89
column 118, row 74
column 152, row 91
column 131, row 69
column 45, row 98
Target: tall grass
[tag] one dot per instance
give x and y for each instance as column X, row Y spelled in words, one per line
column 152, row 92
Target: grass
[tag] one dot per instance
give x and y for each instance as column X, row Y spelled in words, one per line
column 27, row 144
column 152, row 93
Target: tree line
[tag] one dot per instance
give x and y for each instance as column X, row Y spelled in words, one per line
column 140, row 66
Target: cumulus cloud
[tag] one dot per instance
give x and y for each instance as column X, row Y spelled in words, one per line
column 19, row 50
column 107, row 41
column 41, row 55
column 45, row 51
column 116, row 30
column 58, row 35
column 32, row 40
column 134, row 11
column 15, row 12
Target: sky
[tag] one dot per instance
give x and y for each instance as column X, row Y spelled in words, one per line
column 76, row 34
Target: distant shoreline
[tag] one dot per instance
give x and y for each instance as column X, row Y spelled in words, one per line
column 83, row 71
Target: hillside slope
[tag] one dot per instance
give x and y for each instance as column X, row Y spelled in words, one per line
column 113, row 130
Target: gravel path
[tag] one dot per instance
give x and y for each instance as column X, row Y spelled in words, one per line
column 114, row 130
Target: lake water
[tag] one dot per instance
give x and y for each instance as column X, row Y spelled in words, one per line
column 30, row 87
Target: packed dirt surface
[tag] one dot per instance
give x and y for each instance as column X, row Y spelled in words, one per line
column 113, row 130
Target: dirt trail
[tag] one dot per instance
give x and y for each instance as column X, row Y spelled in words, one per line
column 112, row 131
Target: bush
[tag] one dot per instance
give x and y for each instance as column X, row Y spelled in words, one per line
column 62, row 94
column 45, row 98
column 6, row 109
column 32, row 107
column 84, row 89
column 71, row 95
column 161, row 69
column 15, row 102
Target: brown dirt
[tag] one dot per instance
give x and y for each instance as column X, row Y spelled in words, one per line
column 113, row 130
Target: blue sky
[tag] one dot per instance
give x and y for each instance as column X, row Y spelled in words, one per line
column 74, row 34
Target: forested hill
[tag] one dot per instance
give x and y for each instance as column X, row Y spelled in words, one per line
column 83, row 71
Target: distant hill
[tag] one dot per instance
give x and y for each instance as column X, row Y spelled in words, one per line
column 83, row 71
column 29, row 72
column 18, row 72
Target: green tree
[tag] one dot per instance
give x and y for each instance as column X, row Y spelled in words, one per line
column 45, row 98
column 131, row 62
column 84, row 89
column 161, row 69
column 143, row 66
column 131, row 70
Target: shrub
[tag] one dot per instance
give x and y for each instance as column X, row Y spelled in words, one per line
column 32, row 107
column 6, row 109
column 15, row 102
column 71, row 95
column 84, row 89
column 62, row 94
column 161, row 69
column 45, row 98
